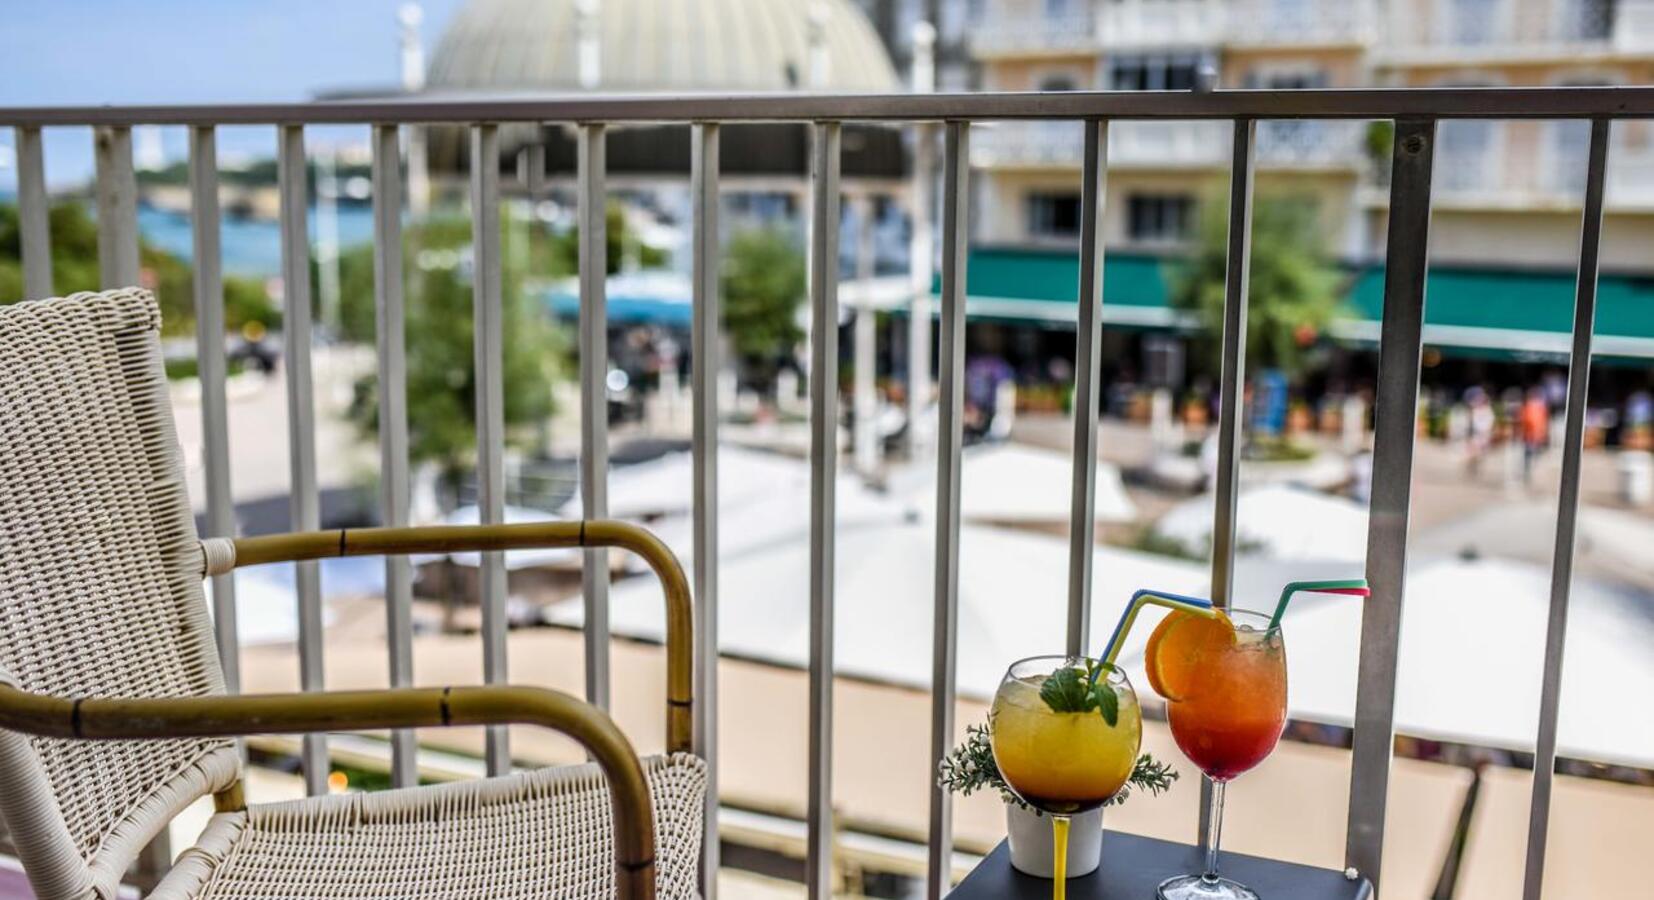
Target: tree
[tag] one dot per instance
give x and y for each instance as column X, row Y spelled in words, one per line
column 1292, row 289
column 763, row 286
column 74, row 240
column 441, row 370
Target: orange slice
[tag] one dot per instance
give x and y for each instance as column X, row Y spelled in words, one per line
column 1176, row 647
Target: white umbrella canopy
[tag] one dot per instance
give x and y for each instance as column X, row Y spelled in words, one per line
column 1012, row 600
column 1280, row 521
column 1017, row 483
column 266, row 607
column 662, row 488
column 514, row 559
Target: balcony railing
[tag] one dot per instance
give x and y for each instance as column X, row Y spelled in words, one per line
column 1518, row 28
column 1026, row 29
column 1298, row 22
column 1158, row 23
column 1013, row 27
column 1416, row 114
column 1193, row 145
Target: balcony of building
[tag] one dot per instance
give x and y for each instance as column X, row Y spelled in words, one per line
column 1192, row 146
column 1463, row 32
column 1033, row 28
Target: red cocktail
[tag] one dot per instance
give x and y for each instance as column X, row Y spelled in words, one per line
column 1224, row 680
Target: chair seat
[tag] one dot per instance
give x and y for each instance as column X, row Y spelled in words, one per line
column 545, row 833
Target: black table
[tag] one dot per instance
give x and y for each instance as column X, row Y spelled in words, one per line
column 1133, row 866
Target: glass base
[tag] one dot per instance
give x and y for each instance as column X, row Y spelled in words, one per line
column 1197, row 887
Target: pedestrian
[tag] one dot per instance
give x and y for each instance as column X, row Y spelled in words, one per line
column 1479, row 429
column 1536, row 431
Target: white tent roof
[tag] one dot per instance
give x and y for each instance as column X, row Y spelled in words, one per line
column 514, row 559
column 1000, row 483
column 1019, row 483
column 1280, row 521
column 266, row 607
column 1013, row 597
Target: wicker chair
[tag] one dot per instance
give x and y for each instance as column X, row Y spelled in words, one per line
column 113, row 714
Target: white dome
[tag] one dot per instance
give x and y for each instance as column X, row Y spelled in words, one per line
column 658, row 45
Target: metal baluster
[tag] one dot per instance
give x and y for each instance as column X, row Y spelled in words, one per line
column 1567, row 514
column 34, row 214
column 950, row 440
column 303, row 503
column 1082, row 525
column 489, row 347
column 117, row 190
column 704, row 357
column 1399, row 349
column 210, row 364
column 594, row 398
column 921, row 250
column 394, row 491
column 1232, row 385
column 824, row 226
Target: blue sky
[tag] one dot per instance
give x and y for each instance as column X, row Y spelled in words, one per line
column 79, row 52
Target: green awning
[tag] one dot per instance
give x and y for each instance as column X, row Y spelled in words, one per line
column 1514, row 313
column 1034, row 284
column 1514, row 310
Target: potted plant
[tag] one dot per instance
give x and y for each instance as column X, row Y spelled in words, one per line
column 971, row 767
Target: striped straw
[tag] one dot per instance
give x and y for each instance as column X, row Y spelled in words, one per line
column 1354, row 587
column 1197, row 605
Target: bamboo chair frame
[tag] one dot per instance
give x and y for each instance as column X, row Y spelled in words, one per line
column 235, row 716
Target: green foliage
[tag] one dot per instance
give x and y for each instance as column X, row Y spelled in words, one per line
column 763, row 286
column 1291, row 292
column 74, row 241
column 1067, row 691
column 970, row 767
column 441, row 370
column 620, row 245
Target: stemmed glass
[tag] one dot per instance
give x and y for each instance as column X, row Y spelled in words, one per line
column 1224, row 680
column 1066, row 731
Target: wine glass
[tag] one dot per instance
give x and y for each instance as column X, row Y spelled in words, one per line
column 1224, row 680
column 1065, row 736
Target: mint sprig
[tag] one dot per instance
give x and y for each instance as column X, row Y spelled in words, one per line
column 1067, row 691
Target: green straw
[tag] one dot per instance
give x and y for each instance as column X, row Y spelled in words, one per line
column 1355, row 587
column 1197, row 605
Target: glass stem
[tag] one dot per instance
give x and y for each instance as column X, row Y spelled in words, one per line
column 1059, row 858
column 1214, row 833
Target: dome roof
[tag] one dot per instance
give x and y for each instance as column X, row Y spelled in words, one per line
column 658, row 45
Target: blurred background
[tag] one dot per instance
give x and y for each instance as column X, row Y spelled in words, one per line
column 1504, row 242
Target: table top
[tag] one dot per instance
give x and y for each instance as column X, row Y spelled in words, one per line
column 1134, row 866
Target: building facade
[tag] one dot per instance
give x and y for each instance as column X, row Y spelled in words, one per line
column 1504, row 191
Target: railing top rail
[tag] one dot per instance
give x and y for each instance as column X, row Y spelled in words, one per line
column 1383, row 103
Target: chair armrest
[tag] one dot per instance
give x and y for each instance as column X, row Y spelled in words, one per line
column 235, row 716
column 251, row 551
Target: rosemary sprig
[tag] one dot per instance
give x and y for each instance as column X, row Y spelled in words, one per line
column 971, row 767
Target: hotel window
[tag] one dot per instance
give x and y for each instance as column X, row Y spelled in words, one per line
column 1053, row 215
column 1159, row 218
column 1153, row 72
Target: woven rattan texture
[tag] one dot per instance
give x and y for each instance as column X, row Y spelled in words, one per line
column 540, row 834
column 100, row 590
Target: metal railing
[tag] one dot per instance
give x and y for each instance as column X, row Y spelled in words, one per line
column 1518, row 27
column 1415, row 112
column 1292, row 143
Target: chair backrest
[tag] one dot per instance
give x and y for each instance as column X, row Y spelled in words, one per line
column 100, row 584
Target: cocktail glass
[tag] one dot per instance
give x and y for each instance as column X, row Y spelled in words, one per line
column 1224, row 680
column 1064, row 763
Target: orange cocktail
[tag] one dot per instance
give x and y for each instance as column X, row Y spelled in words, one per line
column 1233, row 706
